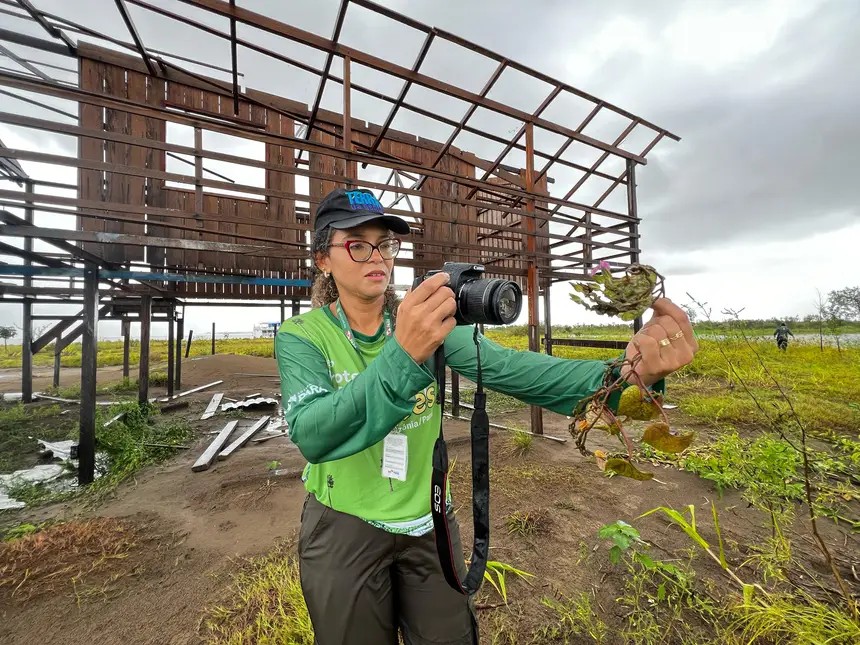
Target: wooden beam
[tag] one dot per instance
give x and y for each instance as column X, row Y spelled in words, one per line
column 87, row 430
column 211, row 453
column 244, row 438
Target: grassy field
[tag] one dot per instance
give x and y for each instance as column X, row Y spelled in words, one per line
column 110, row 352
column 731, row 373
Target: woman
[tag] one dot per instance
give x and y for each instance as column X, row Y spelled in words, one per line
column 359, row 397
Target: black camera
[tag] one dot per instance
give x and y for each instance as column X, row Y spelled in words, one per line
column 488, row 301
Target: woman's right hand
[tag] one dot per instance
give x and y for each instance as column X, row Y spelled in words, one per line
column 426, row 317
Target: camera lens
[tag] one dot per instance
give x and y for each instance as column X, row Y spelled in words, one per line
column 489, row 301
column 509, row 302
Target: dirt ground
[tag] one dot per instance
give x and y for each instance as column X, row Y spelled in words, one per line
column 193, row 528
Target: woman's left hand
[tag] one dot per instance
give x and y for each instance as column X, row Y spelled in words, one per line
column 666, row 343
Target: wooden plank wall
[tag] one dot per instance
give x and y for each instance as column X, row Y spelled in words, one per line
column 208, row 261
column 454, row 230
column 104, row 77
column 91, row 182
column 500, row 243
column 119, row 75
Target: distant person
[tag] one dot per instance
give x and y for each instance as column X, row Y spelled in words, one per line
column 782, row 333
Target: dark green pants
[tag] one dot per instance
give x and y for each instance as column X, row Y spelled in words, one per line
column 361, row 584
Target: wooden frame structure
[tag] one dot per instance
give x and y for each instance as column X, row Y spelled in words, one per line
column 151, row 237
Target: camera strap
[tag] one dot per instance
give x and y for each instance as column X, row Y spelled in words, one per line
column 480, row 434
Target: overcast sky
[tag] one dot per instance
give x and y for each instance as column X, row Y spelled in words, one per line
column 757, row 206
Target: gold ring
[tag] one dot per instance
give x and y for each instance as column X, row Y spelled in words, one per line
column 664, row 342
column 680, row 334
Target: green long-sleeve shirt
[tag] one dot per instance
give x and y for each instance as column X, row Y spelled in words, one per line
column 341, row 405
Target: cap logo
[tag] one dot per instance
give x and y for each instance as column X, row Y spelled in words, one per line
column 359, row 200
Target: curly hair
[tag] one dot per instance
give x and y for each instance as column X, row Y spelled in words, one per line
column 324, row 289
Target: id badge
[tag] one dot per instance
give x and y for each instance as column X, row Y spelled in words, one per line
column 395, row 456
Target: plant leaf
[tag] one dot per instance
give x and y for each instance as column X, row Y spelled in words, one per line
column 636, row 404
column 489, row 576
column 679, row 519
column 504, row 589
column 658, row 436
column 748, row 594
column 626, row 469
column 723, row 563
column 600, row 457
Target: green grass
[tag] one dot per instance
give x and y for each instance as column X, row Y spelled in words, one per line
column 110, row 352
column 266, row 605
column 528, row 523
column 138, row 439
column 794, row 620
column 124, row 386
column 823, row 385
column 520, row 443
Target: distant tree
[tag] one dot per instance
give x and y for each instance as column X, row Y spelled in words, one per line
column 820, row 315
column 846, row 302
column 834, row 323
column 6, row 333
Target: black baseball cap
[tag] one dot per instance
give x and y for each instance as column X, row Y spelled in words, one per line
column 343, row 208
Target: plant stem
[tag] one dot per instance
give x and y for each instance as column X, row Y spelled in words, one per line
column 807, row 484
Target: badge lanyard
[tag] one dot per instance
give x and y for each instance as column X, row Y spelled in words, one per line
column 347, row 330
column 395, row 451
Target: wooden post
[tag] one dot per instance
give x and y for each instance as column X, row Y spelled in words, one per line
column 126, row 347
column 57, row 352
column 547, row 320
column 351, row 166
column 188, row 345
column 213, row 339
column 532, row 272
column 633, row 211
column 198, row 176
column 170, row 349
column 27, row 351
column 180, row 330
column 27, row 314
column 297, row 307
column 283, row 311
column 143, row 365
column 87, row 429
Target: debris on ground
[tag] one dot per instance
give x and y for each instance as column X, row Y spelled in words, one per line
column 59, row 399
column 248, row 403
column 114, row 419
column 36, row 474
column 208, row 457
column 212, row 408
column 61, row 450
column 173, row 407
column 244, row 438
column 191, row 391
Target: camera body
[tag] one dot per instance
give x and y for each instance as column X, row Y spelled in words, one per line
column 490, row 301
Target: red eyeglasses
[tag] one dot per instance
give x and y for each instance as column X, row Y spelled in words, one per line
column 361, row 251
